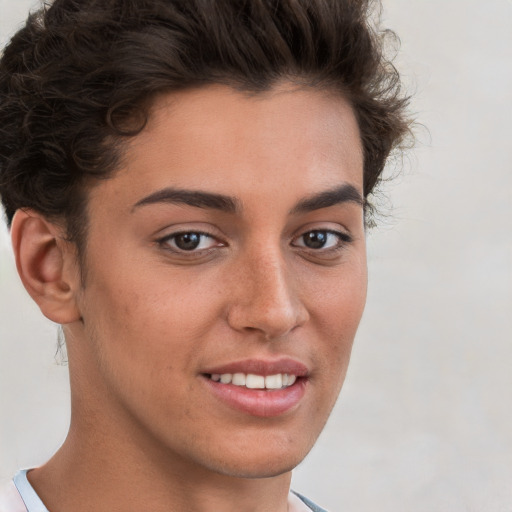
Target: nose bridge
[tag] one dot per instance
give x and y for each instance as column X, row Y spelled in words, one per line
column 267, row 299
column 271, row 286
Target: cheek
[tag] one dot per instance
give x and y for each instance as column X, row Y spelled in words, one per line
column 340, row 302
column 147, row 320
column 336, row 313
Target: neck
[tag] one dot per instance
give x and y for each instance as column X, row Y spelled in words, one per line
column 131, row 472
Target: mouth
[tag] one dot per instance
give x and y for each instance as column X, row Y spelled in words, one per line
column 259, row 388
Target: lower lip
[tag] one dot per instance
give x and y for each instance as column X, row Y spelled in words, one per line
column 259, row 402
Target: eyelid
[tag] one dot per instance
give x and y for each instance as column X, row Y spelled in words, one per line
column 333, row 227
column 344, row 237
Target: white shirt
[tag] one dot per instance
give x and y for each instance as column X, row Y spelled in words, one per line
column 19, row 496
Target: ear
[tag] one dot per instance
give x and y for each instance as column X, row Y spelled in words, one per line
column 47, row 265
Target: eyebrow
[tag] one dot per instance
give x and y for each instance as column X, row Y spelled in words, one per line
column 342, row 194
column 200, row 199
column 194, row 198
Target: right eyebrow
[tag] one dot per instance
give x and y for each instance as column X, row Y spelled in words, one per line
column 196, row 198
column 342, row 194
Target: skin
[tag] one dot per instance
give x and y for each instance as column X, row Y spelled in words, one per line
column 149, row 317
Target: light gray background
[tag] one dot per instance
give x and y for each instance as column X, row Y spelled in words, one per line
column 424, row 422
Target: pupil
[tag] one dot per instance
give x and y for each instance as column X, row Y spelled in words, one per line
column 188, row 241
column 315, row 239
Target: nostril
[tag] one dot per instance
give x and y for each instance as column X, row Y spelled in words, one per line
column 271, row 323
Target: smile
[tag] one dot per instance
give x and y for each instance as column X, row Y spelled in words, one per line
column 252, row 381
column 259, row 387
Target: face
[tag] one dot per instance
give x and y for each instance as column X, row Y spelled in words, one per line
column 225, row 278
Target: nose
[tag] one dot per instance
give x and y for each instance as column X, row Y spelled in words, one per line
column 265, row 298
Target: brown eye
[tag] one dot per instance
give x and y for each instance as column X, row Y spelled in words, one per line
column 322, row 240
column 316, row 239
column 187, row 241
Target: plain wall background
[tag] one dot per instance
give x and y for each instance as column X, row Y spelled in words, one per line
column 424, row 422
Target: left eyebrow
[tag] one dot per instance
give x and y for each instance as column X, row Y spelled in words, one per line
column 343, row 194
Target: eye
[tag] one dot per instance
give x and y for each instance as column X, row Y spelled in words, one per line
column 322, row 239
column 189, row 241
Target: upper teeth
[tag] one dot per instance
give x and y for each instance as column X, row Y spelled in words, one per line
column 251, row 381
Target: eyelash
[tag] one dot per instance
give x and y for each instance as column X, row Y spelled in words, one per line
column 343, row 239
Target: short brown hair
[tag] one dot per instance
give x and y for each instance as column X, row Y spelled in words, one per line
column 79, row 77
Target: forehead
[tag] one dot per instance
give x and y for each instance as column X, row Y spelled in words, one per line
column 232, row 142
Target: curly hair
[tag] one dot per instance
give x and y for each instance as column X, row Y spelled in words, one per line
column 78, row 79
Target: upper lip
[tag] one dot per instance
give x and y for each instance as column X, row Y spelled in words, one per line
column 262, row 367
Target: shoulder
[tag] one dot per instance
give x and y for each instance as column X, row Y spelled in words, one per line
column 10, row 499
column 313, row 506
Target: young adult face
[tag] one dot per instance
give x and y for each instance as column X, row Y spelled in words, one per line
column 231, row 241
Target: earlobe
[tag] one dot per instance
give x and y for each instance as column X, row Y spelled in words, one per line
column 45, row 264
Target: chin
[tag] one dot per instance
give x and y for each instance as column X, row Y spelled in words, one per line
column 251, row 469
column 259, row 460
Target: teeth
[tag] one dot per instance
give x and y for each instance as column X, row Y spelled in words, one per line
column 252, row 381
column 239, row 379
column 274, row 381
column 255, row 381
column 226, row 378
